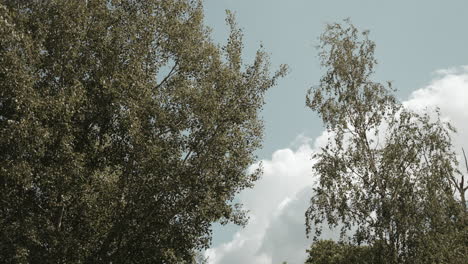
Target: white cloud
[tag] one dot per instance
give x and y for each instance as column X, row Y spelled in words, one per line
column 277, row 203
column 449, row 92
column 270, row 203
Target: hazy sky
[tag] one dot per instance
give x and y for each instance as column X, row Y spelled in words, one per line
column 421, row 47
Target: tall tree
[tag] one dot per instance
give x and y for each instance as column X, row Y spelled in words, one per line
column 125, row 132
column 387, row 175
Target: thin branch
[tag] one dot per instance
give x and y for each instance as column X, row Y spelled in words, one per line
column 187, row 156
column 466, row 161
column 169, row 75
column 462, row 183
column 197, row 145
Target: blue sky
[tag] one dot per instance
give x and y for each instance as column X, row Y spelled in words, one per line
column 414, row 38
column 421, row 47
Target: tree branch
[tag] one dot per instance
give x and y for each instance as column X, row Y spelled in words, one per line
column 169, row 75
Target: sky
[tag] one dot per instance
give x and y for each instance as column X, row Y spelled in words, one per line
column 421, row 48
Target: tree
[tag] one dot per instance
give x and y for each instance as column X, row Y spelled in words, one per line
column 387, row 176
column 125, row 131
column 330, row 252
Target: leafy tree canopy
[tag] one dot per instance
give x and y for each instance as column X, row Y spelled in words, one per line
column 387, row 176
column 125, row 131
column 331, row 252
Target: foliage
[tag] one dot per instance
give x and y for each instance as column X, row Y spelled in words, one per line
column 125, row 131
column 387, row 176
column 330, row 252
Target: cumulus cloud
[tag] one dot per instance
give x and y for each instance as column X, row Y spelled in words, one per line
column 276, row 197
column 277, row 203
column 449, row 92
